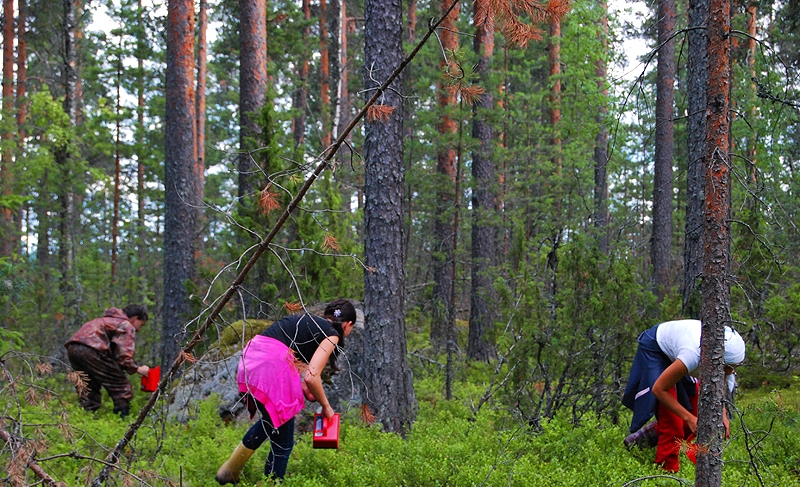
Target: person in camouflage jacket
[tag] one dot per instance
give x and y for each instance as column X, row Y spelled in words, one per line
column 103, row 350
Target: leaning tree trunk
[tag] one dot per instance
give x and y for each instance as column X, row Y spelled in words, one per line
column 484, row 209
column 716, row 307
column 661, row 242
column 179, row 174
column 387, row 376
column 695, row 136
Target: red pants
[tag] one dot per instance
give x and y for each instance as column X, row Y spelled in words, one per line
column 671, row 433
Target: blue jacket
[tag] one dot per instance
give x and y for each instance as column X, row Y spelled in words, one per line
column 648, row 364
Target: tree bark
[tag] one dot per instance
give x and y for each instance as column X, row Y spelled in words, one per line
column 324, row 76
column 7, row 230
column 554, row 55
column 200, row 120
column 179, row 177
column 484, row 206
column 63, row 159
column 662, row 180
column 253, row 90
column 300, row 96
column 716, row 309
column 140, row 131
column 387, row 376
column 695, row 179
column 443, row 258
column 343, row 108
column 117, row 171
column 601, row 139
column 22, row 85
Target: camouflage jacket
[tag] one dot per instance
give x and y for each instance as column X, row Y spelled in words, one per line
column 111, row 335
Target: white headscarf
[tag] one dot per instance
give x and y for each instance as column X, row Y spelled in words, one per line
column 734, row 347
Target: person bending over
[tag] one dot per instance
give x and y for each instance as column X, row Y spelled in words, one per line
column 277, row 370
column 663, row 382
column 103, row 350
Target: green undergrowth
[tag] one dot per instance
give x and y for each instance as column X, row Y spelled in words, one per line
column 448, row 445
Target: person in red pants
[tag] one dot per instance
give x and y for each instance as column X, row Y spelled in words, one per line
column 663, row 383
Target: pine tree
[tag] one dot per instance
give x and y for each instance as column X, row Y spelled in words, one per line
column 180, row 159
column 695, row 179
column 484, row 208
column 443, row 252
column 387, row 376
column 664, row 140
column 716, row 308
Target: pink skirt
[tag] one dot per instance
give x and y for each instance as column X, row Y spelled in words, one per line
column 267, row 371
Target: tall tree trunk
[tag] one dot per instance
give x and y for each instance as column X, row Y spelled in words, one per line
column 324, row 76
column 117, row 171
column 695, row 177
column 253, row 89
column 140, row 131
column 343, row 102
column 300, row 96
column 554, row 54
column 443, row 258
column 716, row 309
column 662, row 180
column 63, row 160
column 7, row 230
column 200, row 118
column 42, row 206
column 601, row 139
column 77, row 6
column 387, row 375
column 22, row 85
column 179, row 162
column 484, row 209
column 752, row 44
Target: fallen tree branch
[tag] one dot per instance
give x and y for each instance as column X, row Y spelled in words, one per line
column 326, row 157
column 30, row 463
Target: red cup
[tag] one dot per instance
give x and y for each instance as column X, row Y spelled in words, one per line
column 150, row 383
column 326, row 431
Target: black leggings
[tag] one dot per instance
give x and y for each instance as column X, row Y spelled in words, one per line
column 281, row 440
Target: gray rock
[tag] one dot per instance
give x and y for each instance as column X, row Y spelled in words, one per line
column 215, row 373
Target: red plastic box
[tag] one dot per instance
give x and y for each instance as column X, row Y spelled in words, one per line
column 150, row 383
column 326, row 431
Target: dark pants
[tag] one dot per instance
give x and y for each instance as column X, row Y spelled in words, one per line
column 281, row 440
column 102, row 371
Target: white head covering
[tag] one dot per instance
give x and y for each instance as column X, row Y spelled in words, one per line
column 734, row 347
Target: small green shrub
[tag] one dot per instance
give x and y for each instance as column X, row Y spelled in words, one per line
column 449, row 444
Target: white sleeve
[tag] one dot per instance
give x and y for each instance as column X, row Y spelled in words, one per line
column 731, row 382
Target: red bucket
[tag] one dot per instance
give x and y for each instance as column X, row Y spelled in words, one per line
column 150, row 383
column 326, row 431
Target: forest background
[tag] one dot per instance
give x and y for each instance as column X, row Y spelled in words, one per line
column 535, row 231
